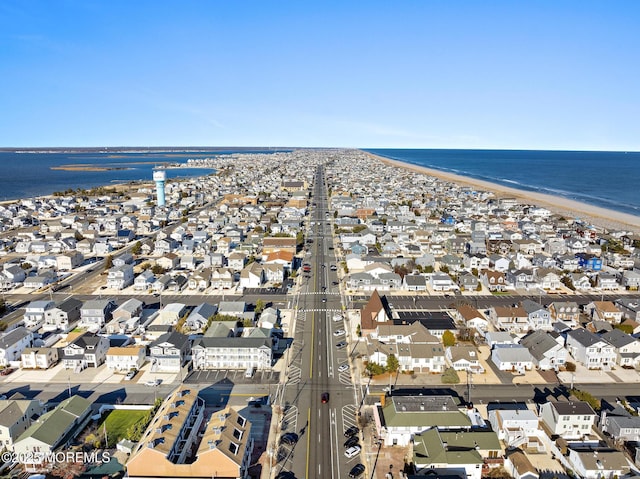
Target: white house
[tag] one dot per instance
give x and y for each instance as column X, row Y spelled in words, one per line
column 13, row 343
column 119, row 277
column 547, row 351
column 123, row 359
column 512, row 357
column 590, row 350
column 568, row 419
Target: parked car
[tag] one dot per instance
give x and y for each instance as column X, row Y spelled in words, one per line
column 352, row 441
column 352, row 452
column 352, row 431
column 130, row 375
column 356, row 471
column 341, row 345
column 337, row 318
column 338, row 332
column 153, row 382
column 343, row 367
column 289, row 438
column 6, row 371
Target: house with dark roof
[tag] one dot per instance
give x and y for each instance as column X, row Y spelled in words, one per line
column 568, row 419
column 12, row 344
column 627, row 348
column 590, row 349
column 85, row 350
column 546, row 349
column 169, row 352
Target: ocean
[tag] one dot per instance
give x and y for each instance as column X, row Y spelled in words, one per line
column 25, row 175
column 606, row 179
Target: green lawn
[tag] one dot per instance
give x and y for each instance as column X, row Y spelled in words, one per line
column 118, row 421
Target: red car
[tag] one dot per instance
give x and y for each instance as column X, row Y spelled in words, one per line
column 324, row 398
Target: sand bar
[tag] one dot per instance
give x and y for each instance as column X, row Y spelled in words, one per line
column 595, row 215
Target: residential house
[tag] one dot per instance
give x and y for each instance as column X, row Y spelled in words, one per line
column 442, row 282
column 127, row 358
column 399, row 418
column 566, row 311
column 12, row 343
column 168, row 261
column 16, row 415
column 620, row 424
column 467, row 282
column 62, row 317
column 627, row 347
column 169, row 352
column 589, row 262
column 590, row 350
column 512, row 357
column 630, row 307
column 414, row 282
column 237, row 309
column 171, row 313
column 35, row 313
column 52, row 430
column 452, row 454
column 631, row 280
column 607, row 281
column 39, row 358
column 200, row 280
column 95, row 313
column 69, row 260
column 568, row 419
column 603, row 311
column 120, row 277
column 222, row 278
column 511, row 319
column 537, row 316
column 144, row 280
column 463, row 357
column 199, row 317
column 600, row 463
column 252, row 276
column 471, row 318
column 232, row 353
column 84, row 350
column 124, row 316
column 171, row 446
column 494, row 281
column 516, row 425
column 546, row 350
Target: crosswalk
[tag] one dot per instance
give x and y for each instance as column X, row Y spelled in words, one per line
column 324, row 293
column 320, row 310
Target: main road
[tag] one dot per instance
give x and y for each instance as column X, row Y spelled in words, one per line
column 317, row 399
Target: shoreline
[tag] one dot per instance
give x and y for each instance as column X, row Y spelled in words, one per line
column 596, row 215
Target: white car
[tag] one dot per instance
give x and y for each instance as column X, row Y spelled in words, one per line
column 153, row 382
column 352, row 452
column 338, row 332
column 343, row 368
column 130, row 375
column 337, row 318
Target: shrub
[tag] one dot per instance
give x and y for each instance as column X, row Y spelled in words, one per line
column 569, row 366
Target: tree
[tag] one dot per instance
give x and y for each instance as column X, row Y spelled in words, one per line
column 108, row 262
column 444, row 268
column 392, row 363
column 157, row 269
column 374, row 369
column 137, row 247
column 259, row 306
column 448, row 339
column 78, row 236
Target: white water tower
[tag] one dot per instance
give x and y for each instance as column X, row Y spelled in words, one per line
column 159, row 176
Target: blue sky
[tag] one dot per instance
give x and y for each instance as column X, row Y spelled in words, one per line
column 410, row 74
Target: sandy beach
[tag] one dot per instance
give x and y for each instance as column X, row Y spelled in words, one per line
column 595, row 215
